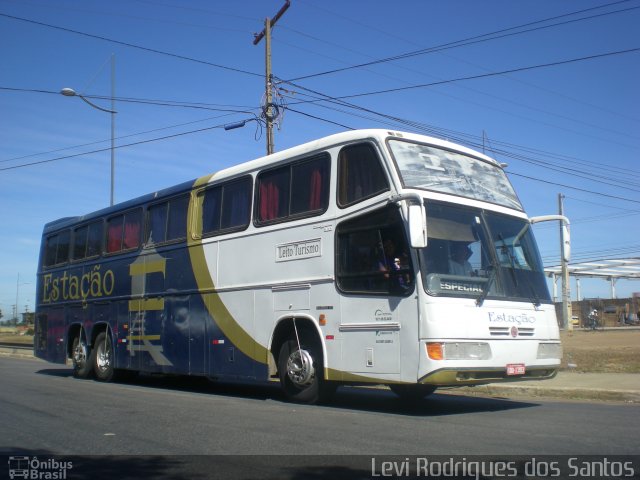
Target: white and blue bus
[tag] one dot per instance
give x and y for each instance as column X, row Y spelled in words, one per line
column 366, row 257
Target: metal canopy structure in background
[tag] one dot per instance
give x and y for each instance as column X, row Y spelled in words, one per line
column 612, row 270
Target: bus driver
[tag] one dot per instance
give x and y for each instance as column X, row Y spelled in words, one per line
column 459, row 254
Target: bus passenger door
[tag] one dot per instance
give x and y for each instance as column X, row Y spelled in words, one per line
column 377, row 281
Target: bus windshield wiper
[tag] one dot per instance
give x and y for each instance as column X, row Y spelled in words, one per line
column 492, row 277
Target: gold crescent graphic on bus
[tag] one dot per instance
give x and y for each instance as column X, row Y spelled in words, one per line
column 216, row 308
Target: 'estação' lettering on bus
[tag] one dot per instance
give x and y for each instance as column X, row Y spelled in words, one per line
column 92, row 284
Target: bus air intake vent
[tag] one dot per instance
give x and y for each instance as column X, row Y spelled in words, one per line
column 511, row 331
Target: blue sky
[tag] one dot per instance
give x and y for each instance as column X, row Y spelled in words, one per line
column 572, row 128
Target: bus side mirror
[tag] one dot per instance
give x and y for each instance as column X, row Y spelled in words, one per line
column 417, row 226
column 566, row 240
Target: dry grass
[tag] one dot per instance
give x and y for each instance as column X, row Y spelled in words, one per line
column 13, row 338
column 609, row 351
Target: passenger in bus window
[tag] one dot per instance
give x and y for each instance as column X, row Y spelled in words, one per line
column 459, row 254
column 392, row 261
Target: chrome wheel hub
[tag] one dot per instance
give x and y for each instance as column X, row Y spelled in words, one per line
column 80, row 354
column 300, row 368
column 103, row 359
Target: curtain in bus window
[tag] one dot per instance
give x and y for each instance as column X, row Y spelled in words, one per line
column 315, row 190
column 269, row 200
column 62, row 254
column 211, row 210
column 157, row 223
column 94, row 239
column 114, row 234
column 361, row 175
column 50, row 253
column 132, row 221
column 235, row 203
column 80, row 242
column 309, row 190
column 177, row 221
column 274, row 194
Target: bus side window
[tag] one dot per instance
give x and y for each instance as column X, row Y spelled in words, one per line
column 177, row 218
column 297, row 190
column 80, row 242
column 226, row 207
column 132, row 228
column 57, row 249
column 211, row 210
column 310, row 186
column 273, row 191
column 123, row 231
column 360, row 174
column 157, row 221
column 114, row 234
column 94, row 239
column 236, row 204
column 372, row 255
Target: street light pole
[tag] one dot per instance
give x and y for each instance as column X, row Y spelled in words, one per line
column 70, row 92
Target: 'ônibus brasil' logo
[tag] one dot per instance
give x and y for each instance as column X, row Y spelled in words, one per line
column 65, row 286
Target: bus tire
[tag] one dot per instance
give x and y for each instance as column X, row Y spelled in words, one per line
column 81, row 358
column 103, row 358
column 412, row 392
column 301, row 373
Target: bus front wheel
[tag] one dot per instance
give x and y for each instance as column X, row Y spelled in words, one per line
column 103, row 358
column 301, row 373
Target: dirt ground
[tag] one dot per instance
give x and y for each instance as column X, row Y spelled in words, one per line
column 609, row 351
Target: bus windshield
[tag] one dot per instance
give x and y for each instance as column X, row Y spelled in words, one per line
column 431, row 168
column 477, row 253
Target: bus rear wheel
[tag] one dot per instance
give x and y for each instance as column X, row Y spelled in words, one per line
column 103, row 358
column 301, row 373
column 412, row 392
column 80, row 357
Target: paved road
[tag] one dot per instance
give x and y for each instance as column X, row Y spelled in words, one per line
column 43, row 409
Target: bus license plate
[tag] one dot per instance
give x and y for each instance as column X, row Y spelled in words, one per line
column 516, row 369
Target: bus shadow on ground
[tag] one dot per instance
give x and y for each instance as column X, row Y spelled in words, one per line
column 366, row 399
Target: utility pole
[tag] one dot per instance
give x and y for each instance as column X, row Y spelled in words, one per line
column 113, row 127
column 269, row 113
column 566, row 295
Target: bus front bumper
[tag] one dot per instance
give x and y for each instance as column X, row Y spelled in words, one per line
column 459, row 377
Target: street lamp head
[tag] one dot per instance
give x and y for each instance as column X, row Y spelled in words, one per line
column 68, row 92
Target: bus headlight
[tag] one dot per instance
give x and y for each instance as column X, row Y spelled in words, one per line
column 549, row 350
column 459, row 351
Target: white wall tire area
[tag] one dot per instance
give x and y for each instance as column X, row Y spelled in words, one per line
column 103, row 358
column 301, row 372
column 81, row 357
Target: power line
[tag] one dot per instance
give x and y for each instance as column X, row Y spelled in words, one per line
column 477, row 39
column 485, row 75
column 168, row 127
column 131, row 45
column 573, row 188
column 161, row 103
column 141, row 142
column 466, row 139
column 432, row 129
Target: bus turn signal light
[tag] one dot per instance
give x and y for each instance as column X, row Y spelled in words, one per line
column 434, row 351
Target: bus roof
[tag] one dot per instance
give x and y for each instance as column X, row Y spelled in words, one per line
column 262, row 162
